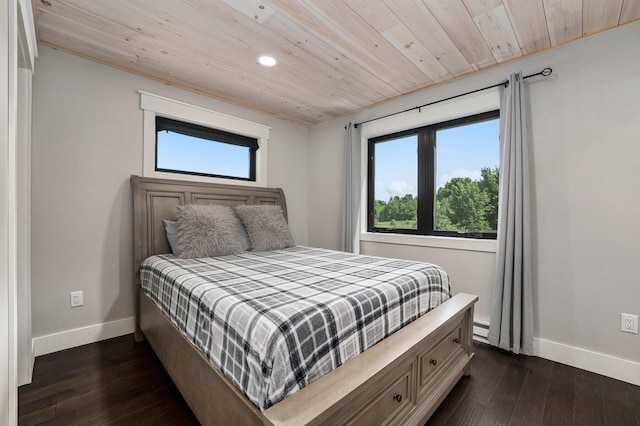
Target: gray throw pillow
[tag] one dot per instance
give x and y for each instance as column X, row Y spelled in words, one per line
column 207, row 231
column 266, row 227
column 171, row 229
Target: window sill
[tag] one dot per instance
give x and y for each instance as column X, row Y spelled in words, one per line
column 451, row 243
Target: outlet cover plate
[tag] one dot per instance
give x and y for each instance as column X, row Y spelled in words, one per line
column 629, row 323
column 76, row 299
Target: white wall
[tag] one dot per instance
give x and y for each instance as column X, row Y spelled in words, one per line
column 585, row 144
column 87, row 141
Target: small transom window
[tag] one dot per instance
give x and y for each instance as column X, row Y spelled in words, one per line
column 191, row 149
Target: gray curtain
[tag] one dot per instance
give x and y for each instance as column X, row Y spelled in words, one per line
column 351, row 196
column 511, row 321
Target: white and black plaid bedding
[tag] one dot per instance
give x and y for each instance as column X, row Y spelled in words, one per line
column 275, row 321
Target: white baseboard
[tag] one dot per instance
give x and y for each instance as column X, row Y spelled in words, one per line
column 607, row 365
column 81, row 336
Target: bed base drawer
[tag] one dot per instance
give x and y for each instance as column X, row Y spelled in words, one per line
column 436, row 361
column 383, row 403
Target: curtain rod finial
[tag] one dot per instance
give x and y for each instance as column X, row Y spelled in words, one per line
column 547, row 71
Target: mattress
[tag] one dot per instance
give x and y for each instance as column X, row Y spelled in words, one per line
column 274, row 321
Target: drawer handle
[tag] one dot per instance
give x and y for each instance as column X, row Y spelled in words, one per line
column 433, row 362
column 456, row 340
column 397, row 397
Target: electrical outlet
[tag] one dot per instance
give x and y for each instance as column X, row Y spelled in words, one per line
column 76, row 299
column 629, row 323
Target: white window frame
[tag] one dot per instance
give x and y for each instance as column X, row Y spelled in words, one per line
column 477, row 103
column 153, row 105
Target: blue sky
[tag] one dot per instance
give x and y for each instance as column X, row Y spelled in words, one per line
column 181, row 152
column 461, row 152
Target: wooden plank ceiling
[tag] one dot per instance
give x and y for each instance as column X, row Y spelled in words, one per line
column 335, row 56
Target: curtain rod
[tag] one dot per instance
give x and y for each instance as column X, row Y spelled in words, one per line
column 545, row 72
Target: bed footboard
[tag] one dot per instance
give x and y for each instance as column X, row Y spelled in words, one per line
column 401, row 380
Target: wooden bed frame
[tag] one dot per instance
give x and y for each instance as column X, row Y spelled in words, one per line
column 400, row 380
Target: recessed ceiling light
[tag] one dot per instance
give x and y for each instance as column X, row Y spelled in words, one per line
column 267, row 61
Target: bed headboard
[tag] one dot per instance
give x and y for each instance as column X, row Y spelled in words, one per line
column 155, row 199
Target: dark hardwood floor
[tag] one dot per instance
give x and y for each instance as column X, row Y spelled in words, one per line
column 120, row 382
column 116, row 382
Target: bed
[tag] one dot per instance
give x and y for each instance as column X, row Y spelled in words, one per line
column 398, row 380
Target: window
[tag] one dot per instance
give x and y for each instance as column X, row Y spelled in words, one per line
column 440, row 179
column 197, row 150
column 205, row 130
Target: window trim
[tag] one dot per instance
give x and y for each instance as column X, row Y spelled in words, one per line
column 431, row 241
column 155, row 105
column 472, row 104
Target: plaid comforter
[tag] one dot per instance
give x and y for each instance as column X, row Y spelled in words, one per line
column 275, row 321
